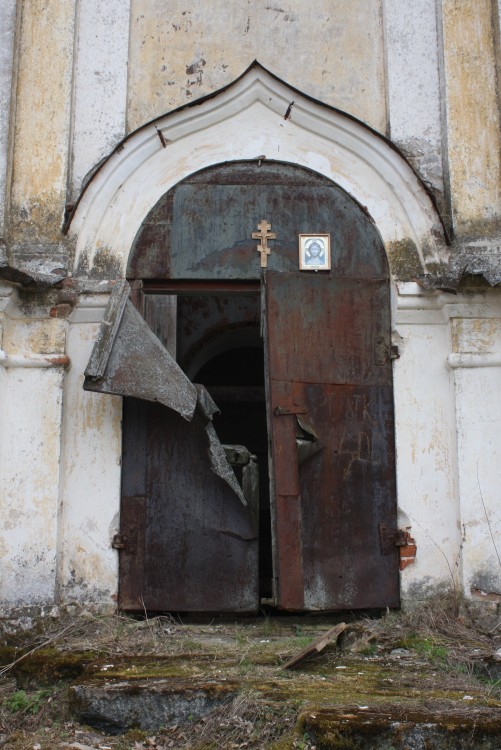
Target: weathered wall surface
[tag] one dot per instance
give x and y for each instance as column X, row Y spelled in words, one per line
column 476, row 362
column 7, row 39
column 78, row 75
column 332, row 50
column 99, row 85
column 41, row 130
column 426, row 441
column 413, row 64
column 472, row 111
column 30, row 431
column 90, row 473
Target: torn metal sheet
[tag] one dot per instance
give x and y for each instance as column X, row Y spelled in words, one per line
column 108, row 330
column 307, row 442
column 205, row 401
column 129, row 360
column 219, row 462
column 217, row 454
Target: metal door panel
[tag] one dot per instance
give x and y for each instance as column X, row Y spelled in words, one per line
column 347, row 490
column 200, row 548
column 202, row 542
column 202, row 228
column 337, row 383
column 325, row 329
column 188, row 537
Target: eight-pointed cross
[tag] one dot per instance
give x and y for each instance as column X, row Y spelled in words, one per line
column 264, row 235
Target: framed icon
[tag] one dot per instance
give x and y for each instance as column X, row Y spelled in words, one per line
column 314, row 252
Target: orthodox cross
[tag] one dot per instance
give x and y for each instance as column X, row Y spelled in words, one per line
column 264, row 235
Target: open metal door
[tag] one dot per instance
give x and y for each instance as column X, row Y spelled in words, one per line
column 188, row 536
column 330, row 402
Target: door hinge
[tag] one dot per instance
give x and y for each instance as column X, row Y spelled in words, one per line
column 394, row 352
column 119, row 541
column 391, row 538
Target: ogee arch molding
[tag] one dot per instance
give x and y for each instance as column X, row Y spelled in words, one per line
column 256, row 117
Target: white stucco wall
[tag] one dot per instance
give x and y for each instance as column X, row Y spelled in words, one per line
column 422, row 73
column 413, row 60
column 426, row 440
column 89, row 500
column 476, row 364
column 30, row 429
column 99, row 86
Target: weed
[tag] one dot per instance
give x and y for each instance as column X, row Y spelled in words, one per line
column 22, row 702
column 427, row 648
column 268, row 626
column 369, row 650
column 245, row 665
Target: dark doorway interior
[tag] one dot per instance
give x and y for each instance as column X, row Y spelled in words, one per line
column 218, row 344
column 235, row 380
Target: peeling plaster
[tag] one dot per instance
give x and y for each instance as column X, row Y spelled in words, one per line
column 334, row 53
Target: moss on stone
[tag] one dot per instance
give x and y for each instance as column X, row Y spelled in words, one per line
column 44, row 666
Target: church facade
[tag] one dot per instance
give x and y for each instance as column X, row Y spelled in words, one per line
column 250, row 313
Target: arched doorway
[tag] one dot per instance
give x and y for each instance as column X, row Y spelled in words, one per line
column 328, row 398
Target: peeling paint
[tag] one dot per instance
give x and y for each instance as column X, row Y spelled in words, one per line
column 473, row 129
column 40, row 154
column 475, row 335
column 346, row 69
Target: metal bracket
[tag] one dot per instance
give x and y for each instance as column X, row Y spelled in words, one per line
column 287, row 411
column 394, row 352
column 119, row 541
column 391, row 538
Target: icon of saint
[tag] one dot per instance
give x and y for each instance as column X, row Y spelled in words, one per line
column 315, row 254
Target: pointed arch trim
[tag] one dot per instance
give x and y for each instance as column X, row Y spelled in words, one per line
column 257, row 117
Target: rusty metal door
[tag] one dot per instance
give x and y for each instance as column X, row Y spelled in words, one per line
column 188, row 529
column 329, row 400
column 191, row 542
column 329, row 380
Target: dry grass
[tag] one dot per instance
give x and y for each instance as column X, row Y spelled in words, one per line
column 441, row 632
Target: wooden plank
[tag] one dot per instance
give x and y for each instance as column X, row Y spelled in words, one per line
column 317, row 645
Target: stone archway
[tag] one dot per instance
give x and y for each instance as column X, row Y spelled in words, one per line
column 247, row 121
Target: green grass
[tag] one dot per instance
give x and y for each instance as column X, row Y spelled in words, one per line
column 28, row 703
column 426, row 648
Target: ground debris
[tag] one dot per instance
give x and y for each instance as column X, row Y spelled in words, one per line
column 360, row 677
column 316, row 646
